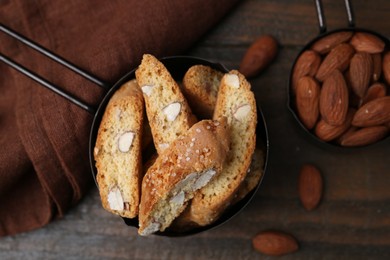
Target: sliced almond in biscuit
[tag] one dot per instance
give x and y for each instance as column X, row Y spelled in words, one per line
column 172, row 111
column 232, row 80
column 242, row 112
column 147, row 89
column 125, row 141
column 115, row 199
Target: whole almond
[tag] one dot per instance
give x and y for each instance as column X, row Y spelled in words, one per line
column 327, row 132
column 307, row 98
column 367, row 42
column 307, row 64
column 258, row 56
column 386, row 67
column 310, row 186
column 364, row 136
column 376, row 90
column 349, row 131
column 274, row 243
column 377, row 66
column 354, row 100
column 338, row 58
column 375, row 112
column 325, row 44
column 360, row 73
column 334, row 99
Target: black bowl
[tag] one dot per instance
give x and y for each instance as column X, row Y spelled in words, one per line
column 177, row 66
column 291, row 95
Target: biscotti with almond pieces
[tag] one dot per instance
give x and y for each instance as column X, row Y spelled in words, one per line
column 237, row 103
column 190, row 162
column 117, row 151
column 200, row 86
column 167, row 109
column 253, row 177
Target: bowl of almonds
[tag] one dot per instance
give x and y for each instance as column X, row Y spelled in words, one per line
column 339, row 88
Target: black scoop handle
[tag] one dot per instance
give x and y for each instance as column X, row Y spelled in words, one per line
column 57, row 59
column 321, row 16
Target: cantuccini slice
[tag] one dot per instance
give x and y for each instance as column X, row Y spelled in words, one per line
column 117, row 151
column 167, row 110
column 237, row 103
column 190, row 162
column 200, row 86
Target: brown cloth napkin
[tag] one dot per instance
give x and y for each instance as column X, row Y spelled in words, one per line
column 44, row 167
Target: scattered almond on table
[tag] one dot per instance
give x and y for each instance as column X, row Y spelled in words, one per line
column 310, row 186
column 275, row 243
column 310, row 189
column 258, row 56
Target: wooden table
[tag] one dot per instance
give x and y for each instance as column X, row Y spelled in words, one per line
column 353, row 220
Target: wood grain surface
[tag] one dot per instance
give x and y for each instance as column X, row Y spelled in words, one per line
column 353, row 219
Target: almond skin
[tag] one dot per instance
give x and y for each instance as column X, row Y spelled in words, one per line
column 360, row 73
column 258, row 56
column 386, row 67
column 274, row 243
column 307, row 64
column 354, row 100
column 364, row 136
column 325, row 44
column 307, row 99
column 338, row 58
column 310, row 186
column 328, row 132
column 375, row 112
column 367, row 42
column 349, row 131
column 334, row 99
column 376, row 66
column 376, row 90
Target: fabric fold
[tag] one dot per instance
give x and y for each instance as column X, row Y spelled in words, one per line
column 44, row 167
